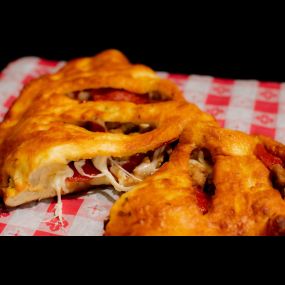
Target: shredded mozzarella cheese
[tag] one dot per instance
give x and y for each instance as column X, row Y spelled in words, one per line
column 200, row 169
column 83, row 95
column 78, row 166
column 58, row 207
column 125, row 171
column 144, row 169
column 100, row 162
column 123, row 176
column 60, row 185
column 148, row 167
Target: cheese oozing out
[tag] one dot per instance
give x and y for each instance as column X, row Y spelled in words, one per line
column 201, row 168
column 120, row 172
column 59, row 185
column 112, row 171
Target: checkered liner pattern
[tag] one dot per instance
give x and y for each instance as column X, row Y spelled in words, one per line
column 247, row 105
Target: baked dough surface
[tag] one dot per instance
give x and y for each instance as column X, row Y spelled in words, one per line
column 43, row 132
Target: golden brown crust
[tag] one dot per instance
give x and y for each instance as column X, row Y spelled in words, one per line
column 244, row 203
column 43, row 127
column 43, row 132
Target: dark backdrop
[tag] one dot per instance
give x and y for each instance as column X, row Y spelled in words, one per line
column 174, row 42
column 230, row 62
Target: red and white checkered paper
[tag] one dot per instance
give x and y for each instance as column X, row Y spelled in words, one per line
column 247, row 105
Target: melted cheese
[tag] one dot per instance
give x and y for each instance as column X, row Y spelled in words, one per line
column 59, row 185
column 199, row 169
column 148, row 167
column 100, row 162
column 125, row 181
column 58, row 207
column 124, row 177
column 83, row 95
column 78, row 166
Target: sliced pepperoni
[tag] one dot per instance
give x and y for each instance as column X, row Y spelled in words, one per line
column 93, row 127
column 88, row 168
column 109, row 94
column 134, row 161
column 203, row 200
column 267, row 158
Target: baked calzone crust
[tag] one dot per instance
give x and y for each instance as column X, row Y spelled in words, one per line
column 104, row 121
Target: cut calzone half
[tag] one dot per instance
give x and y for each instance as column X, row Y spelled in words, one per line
column 217, row 182
column 98, row 121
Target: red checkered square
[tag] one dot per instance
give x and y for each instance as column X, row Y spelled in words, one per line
column 2, row 227
column 268, row 91
column 270, row 85
column 70, row 205
column 47, row 63
column 179, row 79
column 266, row 107
column 260, row 130
column 218, row 100
column 223, row 81
column 221, row 87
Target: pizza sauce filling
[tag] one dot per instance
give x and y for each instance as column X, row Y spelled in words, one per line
column 276, row 167
column 117, row 95
column 120, row 172
column 201, row 172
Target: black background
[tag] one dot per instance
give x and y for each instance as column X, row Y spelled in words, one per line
column 182, row 40
column 191, row 58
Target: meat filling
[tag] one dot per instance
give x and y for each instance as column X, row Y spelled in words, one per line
column 120, row 172
column 118, row 95
column 201, row 172
column 118, row 128
column 276, row 167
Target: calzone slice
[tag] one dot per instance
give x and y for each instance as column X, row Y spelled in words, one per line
column 98, row 121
